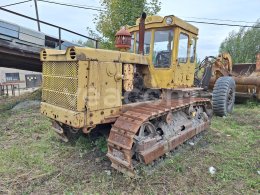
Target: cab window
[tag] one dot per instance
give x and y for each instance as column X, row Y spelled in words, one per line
column 162, row 52
column 147, row 41
column 193, row 51
column 183, row 48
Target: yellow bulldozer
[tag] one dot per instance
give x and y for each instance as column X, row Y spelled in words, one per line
column 145, row 91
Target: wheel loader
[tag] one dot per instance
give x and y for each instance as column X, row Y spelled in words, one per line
column 145, row 91
column 245, row 75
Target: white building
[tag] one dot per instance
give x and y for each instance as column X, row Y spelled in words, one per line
column 25, row 79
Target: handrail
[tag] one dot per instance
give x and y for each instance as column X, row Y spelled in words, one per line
column 53, row 25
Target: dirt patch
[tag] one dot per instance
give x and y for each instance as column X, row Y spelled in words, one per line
column 27, row 104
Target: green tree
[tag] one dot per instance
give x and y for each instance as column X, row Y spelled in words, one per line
column 119, row 13
column 89, row 42
column 243, row 45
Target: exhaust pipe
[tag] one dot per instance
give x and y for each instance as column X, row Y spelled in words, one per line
column 257, row 69
column 141, row 33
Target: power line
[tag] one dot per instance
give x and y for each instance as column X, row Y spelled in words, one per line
column 71, row 5
column 97, row 7
column 15, row 3
column 202, row 22
column 221, row 24
column 191, row 21
column 223, row 20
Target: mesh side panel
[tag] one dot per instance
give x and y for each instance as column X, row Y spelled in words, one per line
column 63, row 100
column 60, row 84
column 64, row 69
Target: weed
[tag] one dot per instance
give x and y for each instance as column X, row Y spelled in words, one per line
column 101, row 143
column 251, row 103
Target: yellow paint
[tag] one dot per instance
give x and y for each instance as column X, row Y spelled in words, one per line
column 159, row 22
column 82, row 87
column 178, row 74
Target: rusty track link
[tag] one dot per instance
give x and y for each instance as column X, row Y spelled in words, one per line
column 121, row 137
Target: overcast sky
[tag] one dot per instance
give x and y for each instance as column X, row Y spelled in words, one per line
column 210, row 36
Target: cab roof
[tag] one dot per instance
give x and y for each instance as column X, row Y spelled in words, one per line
column 159, row 22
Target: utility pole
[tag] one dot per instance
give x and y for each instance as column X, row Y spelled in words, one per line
column 37, row 15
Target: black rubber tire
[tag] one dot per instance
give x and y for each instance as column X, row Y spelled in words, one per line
column 223, row 96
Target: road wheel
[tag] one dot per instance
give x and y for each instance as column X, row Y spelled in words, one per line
column 223, row 96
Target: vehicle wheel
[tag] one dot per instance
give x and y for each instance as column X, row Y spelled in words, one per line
column 223, row 96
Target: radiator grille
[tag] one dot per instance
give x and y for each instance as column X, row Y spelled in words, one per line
column 64, row 69
column 60, row 84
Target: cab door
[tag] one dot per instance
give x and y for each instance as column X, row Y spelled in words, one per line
column 162, row 58
column 192, row 58
column 183, row 65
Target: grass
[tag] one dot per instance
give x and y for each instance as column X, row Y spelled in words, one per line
column 33, row 160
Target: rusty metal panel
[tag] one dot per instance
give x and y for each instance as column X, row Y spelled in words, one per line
column 104, row 85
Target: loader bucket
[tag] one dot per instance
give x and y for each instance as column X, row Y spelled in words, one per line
column 247, row 77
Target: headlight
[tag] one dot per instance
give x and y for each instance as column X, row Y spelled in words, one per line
column 168, row 20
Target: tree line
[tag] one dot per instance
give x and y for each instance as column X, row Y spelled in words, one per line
column 243, row 45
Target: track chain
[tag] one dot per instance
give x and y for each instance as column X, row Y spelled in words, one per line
column 121, row 137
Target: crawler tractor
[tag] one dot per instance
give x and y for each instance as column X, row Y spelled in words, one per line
column 144, row 90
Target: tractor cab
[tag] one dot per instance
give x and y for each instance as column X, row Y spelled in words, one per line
column 169, row 44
